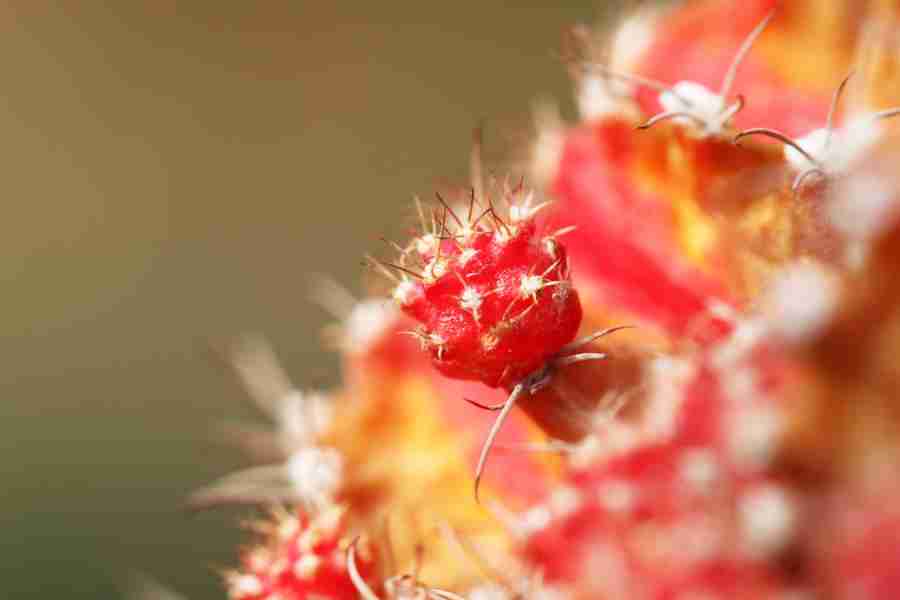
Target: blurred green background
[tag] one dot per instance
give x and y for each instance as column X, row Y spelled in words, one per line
column 172, row 171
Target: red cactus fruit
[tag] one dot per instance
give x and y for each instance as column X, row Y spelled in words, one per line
column 495, row 303
column 304, row 558
column 494, row 297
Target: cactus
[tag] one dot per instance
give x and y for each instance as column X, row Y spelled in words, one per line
column 740, row 439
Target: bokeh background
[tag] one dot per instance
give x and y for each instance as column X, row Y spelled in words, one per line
column 171, row 174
